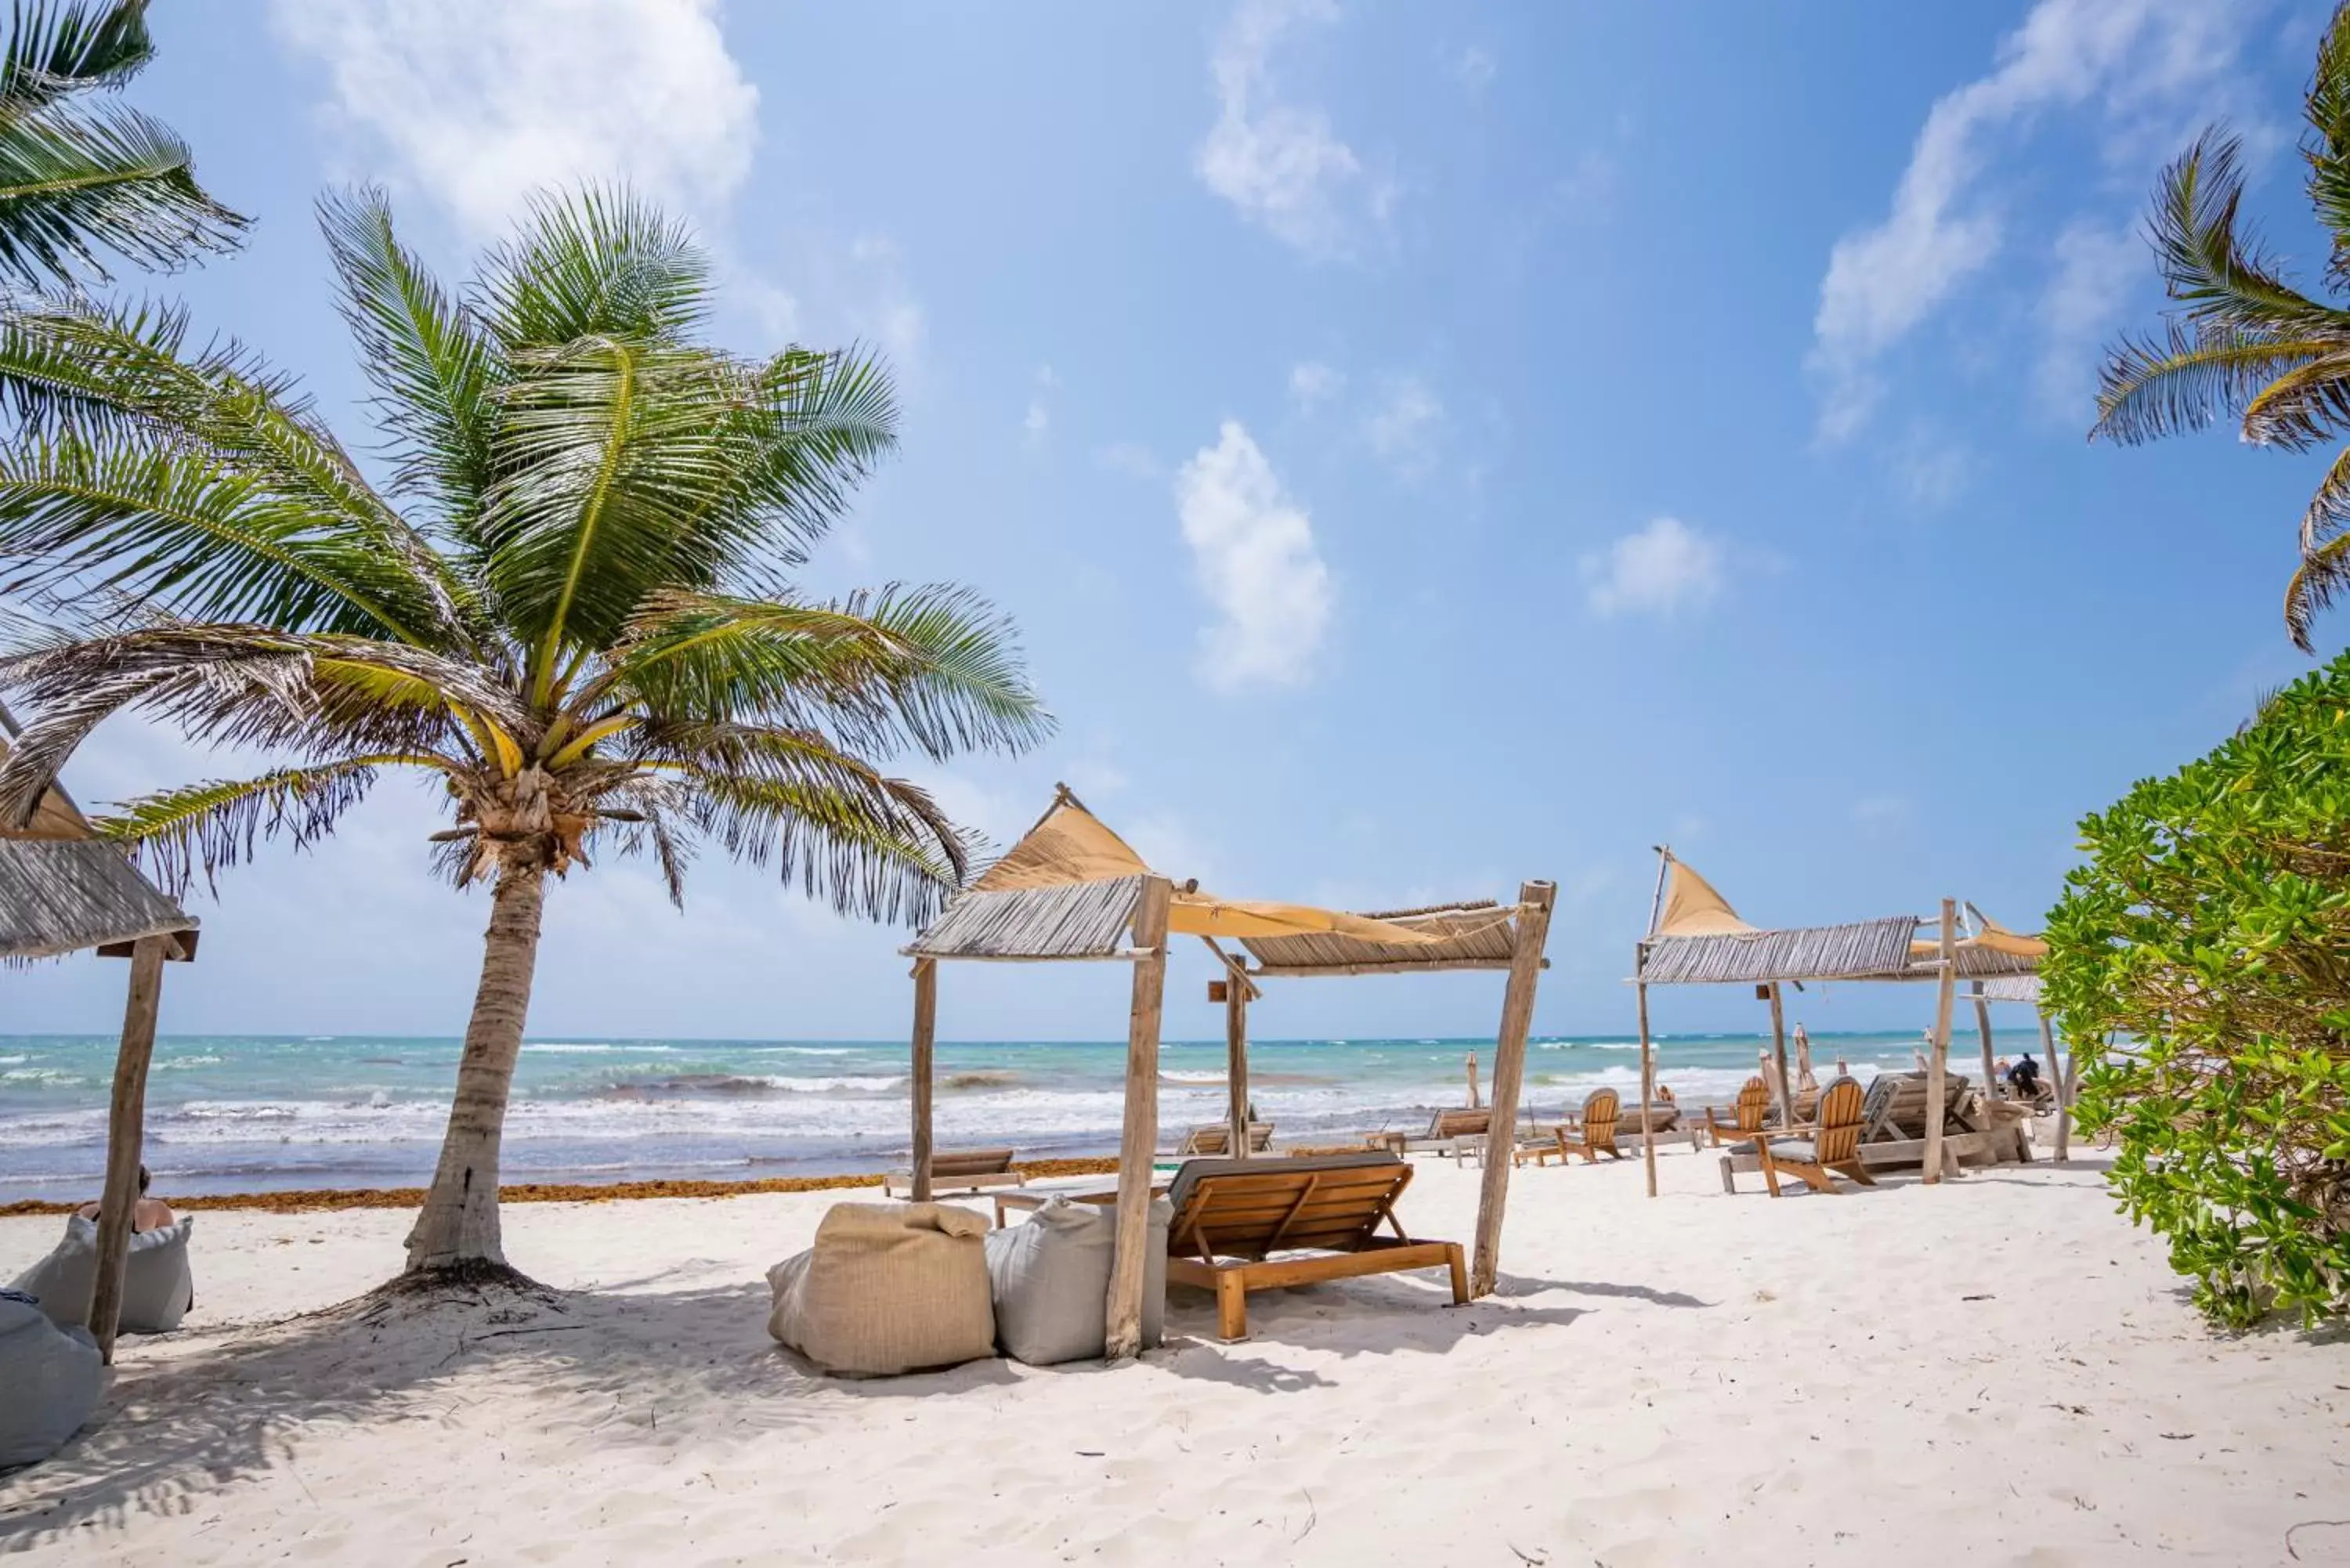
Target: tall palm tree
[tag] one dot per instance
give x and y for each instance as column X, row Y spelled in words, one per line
column 571, row 601
column 80, row 176
column 2245, row 341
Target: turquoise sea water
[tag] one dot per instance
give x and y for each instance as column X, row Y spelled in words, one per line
column 243, row 1113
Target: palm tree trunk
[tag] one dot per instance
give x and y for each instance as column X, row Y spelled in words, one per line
column 458, row 1226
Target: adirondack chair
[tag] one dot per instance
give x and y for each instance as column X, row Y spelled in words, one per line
column 1753, row 1106
column 1216, row 1137
column 1833, row 1143
column 958, row 1170
column 1590, row 1135
column 1230, row 1216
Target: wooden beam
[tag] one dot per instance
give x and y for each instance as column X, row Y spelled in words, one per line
column 126, row 1123
column 1982, row 1029
column 1785, row 1085
column 926, row 1026
column 1535, row 901
column 1122, row 1336
column 1648, row 1074
column 1937, row 1068
column 2056, row 1082
column 1236, row 1071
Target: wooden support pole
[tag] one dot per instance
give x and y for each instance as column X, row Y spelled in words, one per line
column 1122, row 1336
column 2056, row 1082
column 1236, row 1069
column 926, row 1027
column 1648, row 1074
column 1534, row 901
column 1786, row 1084
column 1937, row 1070
column 126, row 1125
column 1982, row 1028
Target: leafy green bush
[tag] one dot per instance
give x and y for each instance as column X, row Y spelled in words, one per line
column 2201, row 962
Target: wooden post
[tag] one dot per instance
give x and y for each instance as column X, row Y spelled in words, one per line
column 126, row 1124
column 1122, row 1336
column 1785, row 1085
column 1534, row 901
column 2056, row 1082
column 1982, row 1028
column 1236, row 990
column 926, row 1026
column 1945, row 992
column 1647, row 1072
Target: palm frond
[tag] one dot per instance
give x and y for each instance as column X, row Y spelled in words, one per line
column 2304, row 406
column 2215, row 269
column 175, row 833
column 891, row 858
column 2329, row 508
column 2317, row 582
column 57, row 49
column 2151, row 388
column 2325, row 149
column 595, row 262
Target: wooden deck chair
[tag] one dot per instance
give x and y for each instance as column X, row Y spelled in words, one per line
column 1753, row 1106
column 1233, row 1216
column 1593, row 1133
column 958, row 1170
column 1449, row 1131
column 1216, row 1137
column 1833, row 1143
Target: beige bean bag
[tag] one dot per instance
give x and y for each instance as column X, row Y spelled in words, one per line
column 887, row 1288
column 157, row 1286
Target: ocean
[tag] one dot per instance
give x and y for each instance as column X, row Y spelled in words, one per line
column 246, row 1113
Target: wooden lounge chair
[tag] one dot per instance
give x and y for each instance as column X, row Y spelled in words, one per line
column 1231, row 1216
column 1593, row 1133
column 1833, row 1143
column 1216, row 1137
column 1753, row 1106
column 958, row 1170
column 1451, row 1131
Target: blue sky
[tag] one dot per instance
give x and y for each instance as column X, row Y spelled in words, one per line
column 1423, row 448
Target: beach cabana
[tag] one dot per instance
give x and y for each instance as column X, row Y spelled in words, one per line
column 64, row 889
column 1073, row 891
column 1695, row 938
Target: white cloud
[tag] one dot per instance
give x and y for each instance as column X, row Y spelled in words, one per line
column 1473, row 69
column 1313, row 383
column 1665, row 568
column 1278, row 162
column 1403, row 429
column 1882, row 281
column 2095, row 266
column 479, row 105
column 1252, row 549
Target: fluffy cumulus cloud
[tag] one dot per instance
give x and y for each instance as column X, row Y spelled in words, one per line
column 1663, row 569
column 1252, row 549
column 2140, row 62
column 1279, row 163
column 480, row 105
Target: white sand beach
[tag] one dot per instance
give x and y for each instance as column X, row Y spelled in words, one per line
column 1999, row 1371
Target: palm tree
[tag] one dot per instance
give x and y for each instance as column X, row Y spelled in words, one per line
column 2246, row 342
column 79, row 177
column 570, row 602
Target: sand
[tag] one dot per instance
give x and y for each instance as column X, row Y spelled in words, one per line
column 1997, row 1371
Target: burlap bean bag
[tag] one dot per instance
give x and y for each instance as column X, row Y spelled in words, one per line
column 887, row 1288
column 1051, row 1278
column 157, row 1286
column 51, row 1377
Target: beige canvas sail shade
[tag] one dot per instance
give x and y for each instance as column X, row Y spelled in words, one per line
column 1070, row 845
column 1693, row 908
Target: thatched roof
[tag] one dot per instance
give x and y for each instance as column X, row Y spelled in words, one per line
column 1075, row 920
column 1479, row 934
column 63, row 889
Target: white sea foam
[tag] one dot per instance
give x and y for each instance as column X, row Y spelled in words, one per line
column 1174, row 1078
column 566, row 1048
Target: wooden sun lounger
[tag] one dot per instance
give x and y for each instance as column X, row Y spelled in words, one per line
column 1215, row 1138
column 1833, row 1144
column 1230, row 1216
column 961, row 1170
column 1450, row 1132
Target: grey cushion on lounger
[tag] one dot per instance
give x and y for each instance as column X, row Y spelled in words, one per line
column 1801, row 1150
column 1051, row 1279
column 157, row 1286
column 53, row 1379
column 887, row 1288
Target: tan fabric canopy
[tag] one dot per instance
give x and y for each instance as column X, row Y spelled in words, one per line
column 1070, row 845
column 1693, row 908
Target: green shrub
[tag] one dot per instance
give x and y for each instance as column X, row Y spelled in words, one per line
column 2201, row 962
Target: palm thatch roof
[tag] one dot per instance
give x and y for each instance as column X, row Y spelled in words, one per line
column 1475, row 934
column 63, row 889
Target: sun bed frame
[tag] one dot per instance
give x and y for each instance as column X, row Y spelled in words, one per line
column 961, row 1169
column 1230, row 1216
